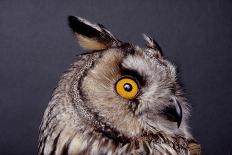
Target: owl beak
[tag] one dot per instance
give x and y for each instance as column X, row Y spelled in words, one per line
column 174, row 112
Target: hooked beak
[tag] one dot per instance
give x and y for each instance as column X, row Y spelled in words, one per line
column 173, row 112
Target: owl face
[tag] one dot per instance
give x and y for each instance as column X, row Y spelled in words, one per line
column 134, row 89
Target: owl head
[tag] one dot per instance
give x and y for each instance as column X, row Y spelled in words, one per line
column 132, row 89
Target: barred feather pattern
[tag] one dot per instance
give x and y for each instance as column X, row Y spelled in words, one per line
column 61, row 107
column 92, row 143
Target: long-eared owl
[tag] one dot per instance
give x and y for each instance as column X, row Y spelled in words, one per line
column 117, row 98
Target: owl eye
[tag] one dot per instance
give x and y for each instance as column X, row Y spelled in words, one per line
column 127, row 87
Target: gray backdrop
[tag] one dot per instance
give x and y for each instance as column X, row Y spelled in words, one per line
column 36, row 46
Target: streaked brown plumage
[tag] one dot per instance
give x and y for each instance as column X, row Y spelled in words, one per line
column 88, row 115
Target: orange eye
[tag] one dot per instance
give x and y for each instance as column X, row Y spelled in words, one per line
column 127, row 88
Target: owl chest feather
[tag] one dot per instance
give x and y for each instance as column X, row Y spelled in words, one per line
column 95, row 143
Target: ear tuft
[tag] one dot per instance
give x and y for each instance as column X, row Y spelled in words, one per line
column 91, row 36
column 149, row 41
column 152, row 44
column 83, row 27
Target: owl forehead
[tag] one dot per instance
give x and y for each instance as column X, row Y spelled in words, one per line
column 149, row 66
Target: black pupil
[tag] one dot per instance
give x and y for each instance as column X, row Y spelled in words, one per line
column 127, row 87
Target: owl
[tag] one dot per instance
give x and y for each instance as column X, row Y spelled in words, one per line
column 116, row 99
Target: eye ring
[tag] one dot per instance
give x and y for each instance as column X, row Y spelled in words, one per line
column 127, row 87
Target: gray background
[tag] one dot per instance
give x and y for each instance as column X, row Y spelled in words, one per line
column 36, row 46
